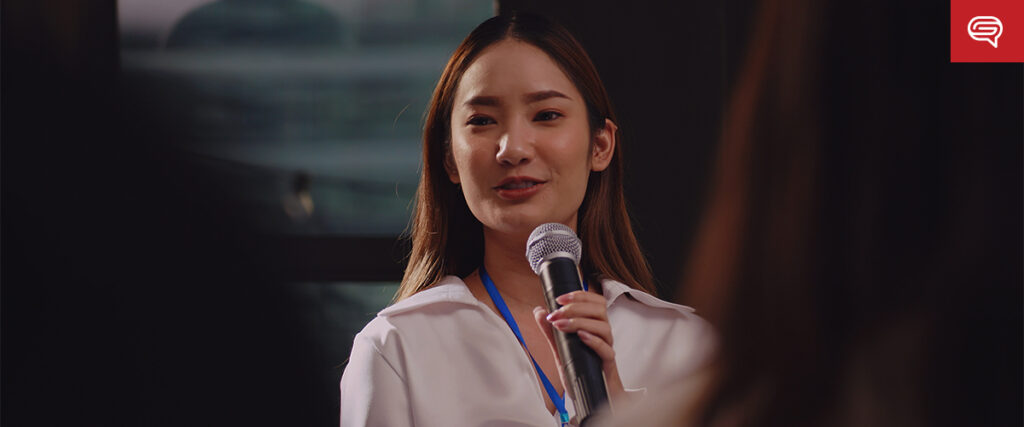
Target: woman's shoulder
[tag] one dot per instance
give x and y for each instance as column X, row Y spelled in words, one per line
column 404, row 314
column 658, row 339
column 632, row 308
column 449, row 290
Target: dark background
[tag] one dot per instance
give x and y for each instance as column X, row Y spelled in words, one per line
column 132, row 296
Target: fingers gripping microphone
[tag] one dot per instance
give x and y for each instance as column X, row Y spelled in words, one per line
column 554, row 253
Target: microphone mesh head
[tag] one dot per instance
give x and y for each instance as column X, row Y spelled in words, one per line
column 550, row 238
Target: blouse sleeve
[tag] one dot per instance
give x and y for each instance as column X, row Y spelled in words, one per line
column 372, row 391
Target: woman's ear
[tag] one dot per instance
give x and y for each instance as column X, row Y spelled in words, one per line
column 604, row 146
column 449, row 167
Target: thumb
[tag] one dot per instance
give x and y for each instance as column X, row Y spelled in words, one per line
column 540, row 316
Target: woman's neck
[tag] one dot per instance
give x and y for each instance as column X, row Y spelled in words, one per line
column 505, row 260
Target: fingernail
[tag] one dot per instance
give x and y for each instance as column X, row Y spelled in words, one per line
column 551, row 316
column 564, row 298
column 584, row 335
column 561, row 323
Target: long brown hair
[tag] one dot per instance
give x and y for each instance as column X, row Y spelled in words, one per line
column 448, row 240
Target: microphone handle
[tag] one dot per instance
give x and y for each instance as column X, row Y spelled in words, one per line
column 580, row 364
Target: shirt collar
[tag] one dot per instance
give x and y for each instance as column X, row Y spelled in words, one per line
column 614, row 289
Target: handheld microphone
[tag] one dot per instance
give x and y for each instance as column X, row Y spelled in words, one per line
column 554, row 252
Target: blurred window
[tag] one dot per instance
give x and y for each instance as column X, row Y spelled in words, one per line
column 308, row 113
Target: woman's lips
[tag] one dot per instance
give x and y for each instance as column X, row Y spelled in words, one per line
column 518, row 188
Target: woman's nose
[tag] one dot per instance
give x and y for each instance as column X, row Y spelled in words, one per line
column 516, row 146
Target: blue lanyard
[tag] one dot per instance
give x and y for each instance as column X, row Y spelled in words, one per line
column 499, row 302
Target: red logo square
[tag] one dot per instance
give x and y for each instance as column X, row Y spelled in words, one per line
column 986, row 31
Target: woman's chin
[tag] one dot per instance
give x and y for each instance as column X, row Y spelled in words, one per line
column 523, row 223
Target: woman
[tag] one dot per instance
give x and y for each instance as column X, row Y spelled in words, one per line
column 860, row 254
column 519, row 132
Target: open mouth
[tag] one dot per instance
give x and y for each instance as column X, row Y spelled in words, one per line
column 518, row 183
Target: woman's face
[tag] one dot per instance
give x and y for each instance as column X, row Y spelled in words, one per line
column 520, row 140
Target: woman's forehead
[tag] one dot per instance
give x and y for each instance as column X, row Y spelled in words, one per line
column 510, row 71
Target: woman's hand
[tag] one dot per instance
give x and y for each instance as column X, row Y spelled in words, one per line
column 584, row 313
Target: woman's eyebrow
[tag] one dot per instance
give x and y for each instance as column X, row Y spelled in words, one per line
column 486, row 101
column 494, row 101
column 542, row 95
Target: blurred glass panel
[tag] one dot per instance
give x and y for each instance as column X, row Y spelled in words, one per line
column 307, row 113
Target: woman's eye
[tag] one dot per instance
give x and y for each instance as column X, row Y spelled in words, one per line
column 544, row 116
column 480, row 121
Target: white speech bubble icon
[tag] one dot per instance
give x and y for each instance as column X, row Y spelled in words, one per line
column 985, row 29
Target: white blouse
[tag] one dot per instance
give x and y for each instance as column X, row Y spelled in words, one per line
column 443, row 358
